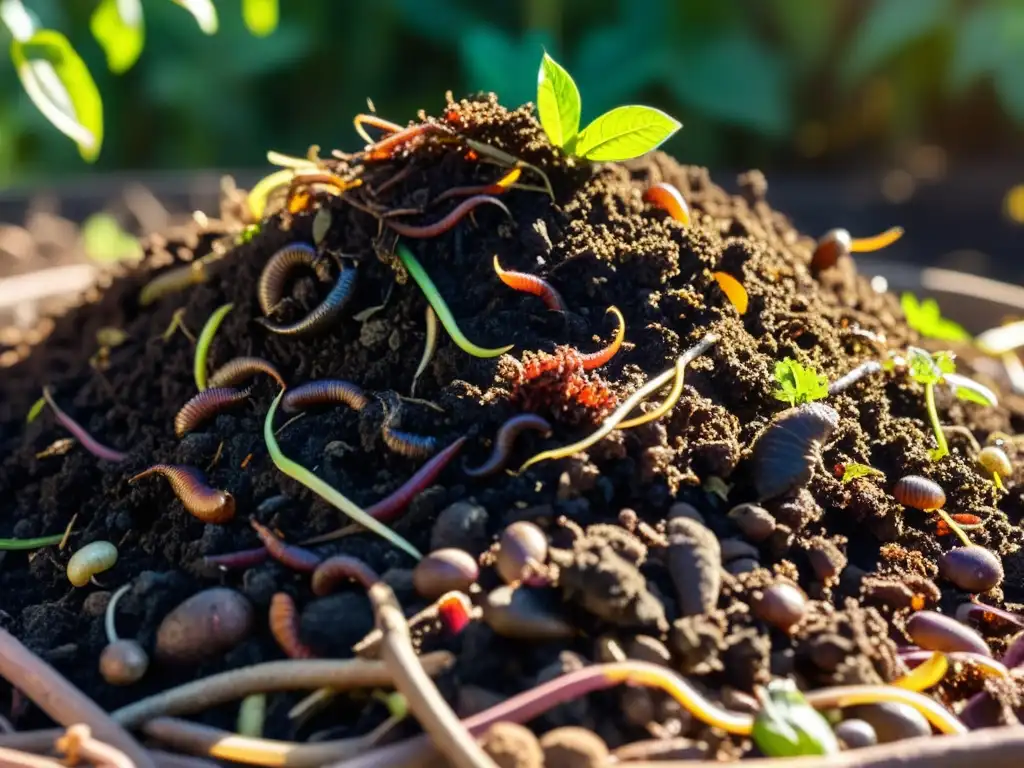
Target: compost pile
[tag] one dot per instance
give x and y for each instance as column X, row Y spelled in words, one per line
column 648, row 557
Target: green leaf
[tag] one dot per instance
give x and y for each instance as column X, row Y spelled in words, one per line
column 558, row 102
column 624, row 133
column 120, row 36
column 926, row 318
column 205, row 14
column 59, row 84
column 35, row 410
column 104, row 241
column 798, row 384
column 853, row 470
column 975, row 53
column 890, row 26
column 808, row 29
column 261, row 16
column 929, row 369
column 788, row 726
column 967, row 389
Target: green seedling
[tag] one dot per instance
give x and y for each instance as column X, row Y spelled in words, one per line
column 853, row 470
column 35, row 410
column 787, row 726
column 619, row 134
column 798, row 384
column 252, row 714
column 204, row 342
column 925, row 318
column 18, row 545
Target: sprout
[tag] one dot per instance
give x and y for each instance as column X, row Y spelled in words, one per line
column 787, row 725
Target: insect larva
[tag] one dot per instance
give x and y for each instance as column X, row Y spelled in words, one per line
column 240, row 369
column 95, row 557
column 211, row 505
column 602, row 356
column 325, row 312
column 408, row 444
column 527, row 283
column 279, row 267
column 205, row 406
column 919, row 492
column 787, row 451
column 284, row 626
column 324, row 392
column 505, row 440
column 295, row 557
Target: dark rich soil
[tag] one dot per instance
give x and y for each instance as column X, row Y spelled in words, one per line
column 600, row 245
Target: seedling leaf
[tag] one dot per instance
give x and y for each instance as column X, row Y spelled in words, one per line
column 798, row 384
column 260, row 16
column 204, row 12
column 35, row 410
column 970, row 390
column 624, row 133
column 558, row 102
column 853, row 470
column 59, row 84
column 926, row 318
column 929, row 369
column 787, row 725
column 117, row 27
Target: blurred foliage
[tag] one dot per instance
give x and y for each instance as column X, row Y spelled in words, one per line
column 755, row 82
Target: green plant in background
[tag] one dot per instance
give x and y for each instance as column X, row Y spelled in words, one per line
column 786, row 725
column 798, row 384
column 926, row 318
column 619, row 134
column 104, row 241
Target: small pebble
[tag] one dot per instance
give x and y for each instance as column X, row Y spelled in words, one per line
column 891, row 721
column 511, row 745
column 756, row 523
column 332, row 625
column 649, row 649
column 782, row 605
column 205, row 626
column 682, row 509
column 123, row 662
column 734, row 549
column 521, row 612
column 856, row 734
column 462, row 525
column 973, row 569
column 444, row 570
column 520, row 543
column 743, row 565
column 936, row 632
column 573, row 747
column 95, row 603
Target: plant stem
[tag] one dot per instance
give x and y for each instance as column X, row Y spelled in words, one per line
column 955, row 527
column 933, row 414
column 37, row 543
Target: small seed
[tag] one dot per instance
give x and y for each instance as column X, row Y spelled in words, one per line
column 756, row 523
column 919, row 492
column 832, row 245
column 525, row 613
column 123, row 662
column 520, row 544
column 856, row 734
column 444, row 570
column 973, row 569
column 205, row 626
column 936, row 632
column 511, row 744
column 994, row 459
column 93, row 558
column 573, row 747
column 781, row 605
column 892, row 721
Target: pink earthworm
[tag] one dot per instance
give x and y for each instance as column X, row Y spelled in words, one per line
column 505, row 440
column 91, row 444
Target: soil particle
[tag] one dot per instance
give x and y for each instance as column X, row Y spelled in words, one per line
column 511, row 745
column 695, row 564
column 698, row 641
column 332, row 625
column 891, row 721
column 572, row 747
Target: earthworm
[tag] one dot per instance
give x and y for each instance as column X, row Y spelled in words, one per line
column 926, row 670
column 240, row 369
column 290, row 555
column 203, row 344
column 441, row 308
column 838, row 242
column 602, row 356
column 334, row 570
column 308, row 178
column 61, row 700
column 377, row 122
column 325, row 312
column 505, row 440
column 93, row 558
column 848, row 380
column 172, row 281
column 500, row 187
column 211, row 505
column 268, row 677
column 323, row 392
column 270, row 289
column 325, row 491
column 206, row 405
column 77, row 743
column 429, row 345
column 669, row 199
column 449, row 221
column 408, row 444
column 988, row 666
column 666, row 405
column 787, row 452
column 385, row 148
column 284, row 626
column 245, row 558
column 88, row 442
column 623, row 410
column 527, row 283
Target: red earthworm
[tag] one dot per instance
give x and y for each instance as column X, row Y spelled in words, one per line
column 334, row 570
column 385, row 148
column 408, row 444
column 602, row 356
column 88, row 442
column 325, row 312
column 284, row 626
column 245, row 558
column 211, row 505
column 324, row 392
column 500, row 187
column 295, row 557
column 449, row 221
column 527, row 283
column 240, row 369
column 270, row 289
column 504, row 441
column 205, row 405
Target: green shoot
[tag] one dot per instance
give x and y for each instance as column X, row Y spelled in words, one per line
column 203, row 344
column 248, row 233
column 970, row 390
column 443, row 313
column 619, row 134
column 798, row 384
column 252, row 713
column 118, row 28
column 398, row 707
column 260, row 16
column 925, row 318
column 35, row 410
column 853, row 470
column 323, row 490
column 929, row 370
column 7, row 545
column 787, row 725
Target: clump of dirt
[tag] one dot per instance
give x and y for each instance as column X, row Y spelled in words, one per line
column 861, row 557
